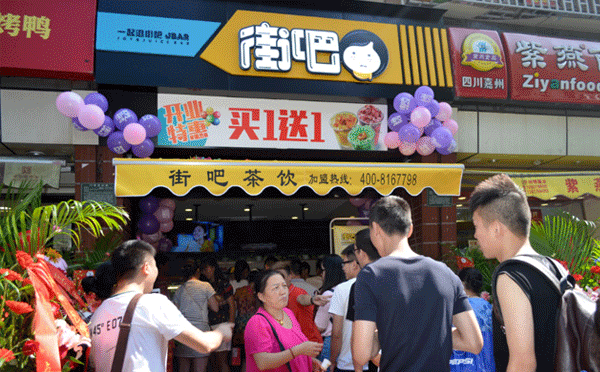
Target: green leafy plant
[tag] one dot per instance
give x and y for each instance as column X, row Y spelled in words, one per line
column 27, row 228
column 570, row 240
column 473, row 254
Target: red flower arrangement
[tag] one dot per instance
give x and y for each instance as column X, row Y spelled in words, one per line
column 19, row 307
column 30, row 347
column 11, row 275
column 595, row 269
column 7, row 355
column 577, row 277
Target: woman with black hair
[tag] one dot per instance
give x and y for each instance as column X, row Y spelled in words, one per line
column 211, row 272
column 193, row 298
column 463, row 361
column 332, row 274
column 273, row 338
column 241, row 270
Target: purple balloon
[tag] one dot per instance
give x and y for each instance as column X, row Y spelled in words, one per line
column 117, row 144
column 433, row 107
column 433, row 125
column 107, row 127
column 144, row 149
column 148, row 224
column 449, row 149
column 413, row 105
column 397, row 120
column 424, row 95
column 151, row 124
column 96, row 99
column 123, row 117
column 77, row 125
column 165, row 245
column 149, row 204
column 402, row 103
column 441, row 137
column 409, row 133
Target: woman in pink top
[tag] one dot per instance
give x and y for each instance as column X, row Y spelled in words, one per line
column 293, row 352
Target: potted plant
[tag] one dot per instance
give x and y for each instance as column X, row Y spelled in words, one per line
column 39, row 324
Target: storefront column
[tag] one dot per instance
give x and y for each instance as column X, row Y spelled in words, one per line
column 434, row 229
column 93, row 164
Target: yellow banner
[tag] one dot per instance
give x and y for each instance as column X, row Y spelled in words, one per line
column 548, row 186
column 344, row 236
column 218, row 176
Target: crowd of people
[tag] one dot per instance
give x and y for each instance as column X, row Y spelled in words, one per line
column 378, row 305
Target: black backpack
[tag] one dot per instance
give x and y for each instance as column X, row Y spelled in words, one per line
column 578, row 323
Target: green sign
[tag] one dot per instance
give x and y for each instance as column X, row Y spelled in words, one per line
column 434, row 200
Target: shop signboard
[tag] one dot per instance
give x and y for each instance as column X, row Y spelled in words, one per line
column 152, row 35
column 300, row 47
column 218, row 176
column 207, row 121
column 50, row 39
column 345, row 235
column 100, row 192
column 546, row 187
column 478, row 63
column 548, row 69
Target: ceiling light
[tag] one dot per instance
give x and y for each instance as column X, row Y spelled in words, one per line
column 553, row 198
column 305, row 208
column 459, row 205
column 493, row 160
column 246, row 209
column 462, row 198
column 544, row 204
column 188, row 209
column 189, row 219
column 294, row 217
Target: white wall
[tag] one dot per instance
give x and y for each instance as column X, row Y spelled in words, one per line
column 31, row 117
column 583, row 136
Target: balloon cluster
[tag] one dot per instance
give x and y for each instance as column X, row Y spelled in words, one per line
column 421, row 124
column 156, row 219
column 124, row 130
column 363, row 205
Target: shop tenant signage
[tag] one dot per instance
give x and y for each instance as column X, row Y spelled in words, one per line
column 205, row 121
column 290, row 46
column 479, row 64
column 218, row 176
column 45, row 39
column 553, row 70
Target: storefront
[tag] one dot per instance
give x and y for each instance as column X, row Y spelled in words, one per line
column 528, row 106
column 259, row 87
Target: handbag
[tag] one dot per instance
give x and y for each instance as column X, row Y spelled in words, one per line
column 281, row 348
column 125, row 327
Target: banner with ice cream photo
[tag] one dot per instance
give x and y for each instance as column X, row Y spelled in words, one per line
column 207, row 121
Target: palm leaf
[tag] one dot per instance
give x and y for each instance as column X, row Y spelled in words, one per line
column 69, row 218
column 565, row 237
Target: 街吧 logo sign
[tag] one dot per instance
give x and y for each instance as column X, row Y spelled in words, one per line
column 269, row 45
column 152, row 35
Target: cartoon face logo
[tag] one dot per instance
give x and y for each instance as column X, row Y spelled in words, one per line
column 365, row 55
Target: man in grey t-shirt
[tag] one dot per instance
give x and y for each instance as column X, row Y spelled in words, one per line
column 408, row 301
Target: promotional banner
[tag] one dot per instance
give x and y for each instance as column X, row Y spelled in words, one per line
column 344, row 236
column 218, row 176
column 553, row 70
column 50, row 39
column 203, row 121
column 546, row 187
column 478, row 63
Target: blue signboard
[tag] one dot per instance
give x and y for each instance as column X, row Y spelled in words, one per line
column 152, row 35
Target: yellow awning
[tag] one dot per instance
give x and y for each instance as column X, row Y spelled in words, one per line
column 547, row 186
column 138, row 177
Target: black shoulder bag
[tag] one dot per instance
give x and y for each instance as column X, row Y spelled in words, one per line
column 281, row 348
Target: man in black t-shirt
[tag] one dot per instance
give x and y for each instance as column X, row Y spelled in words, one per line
column 502, row 219
column 412, row 301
